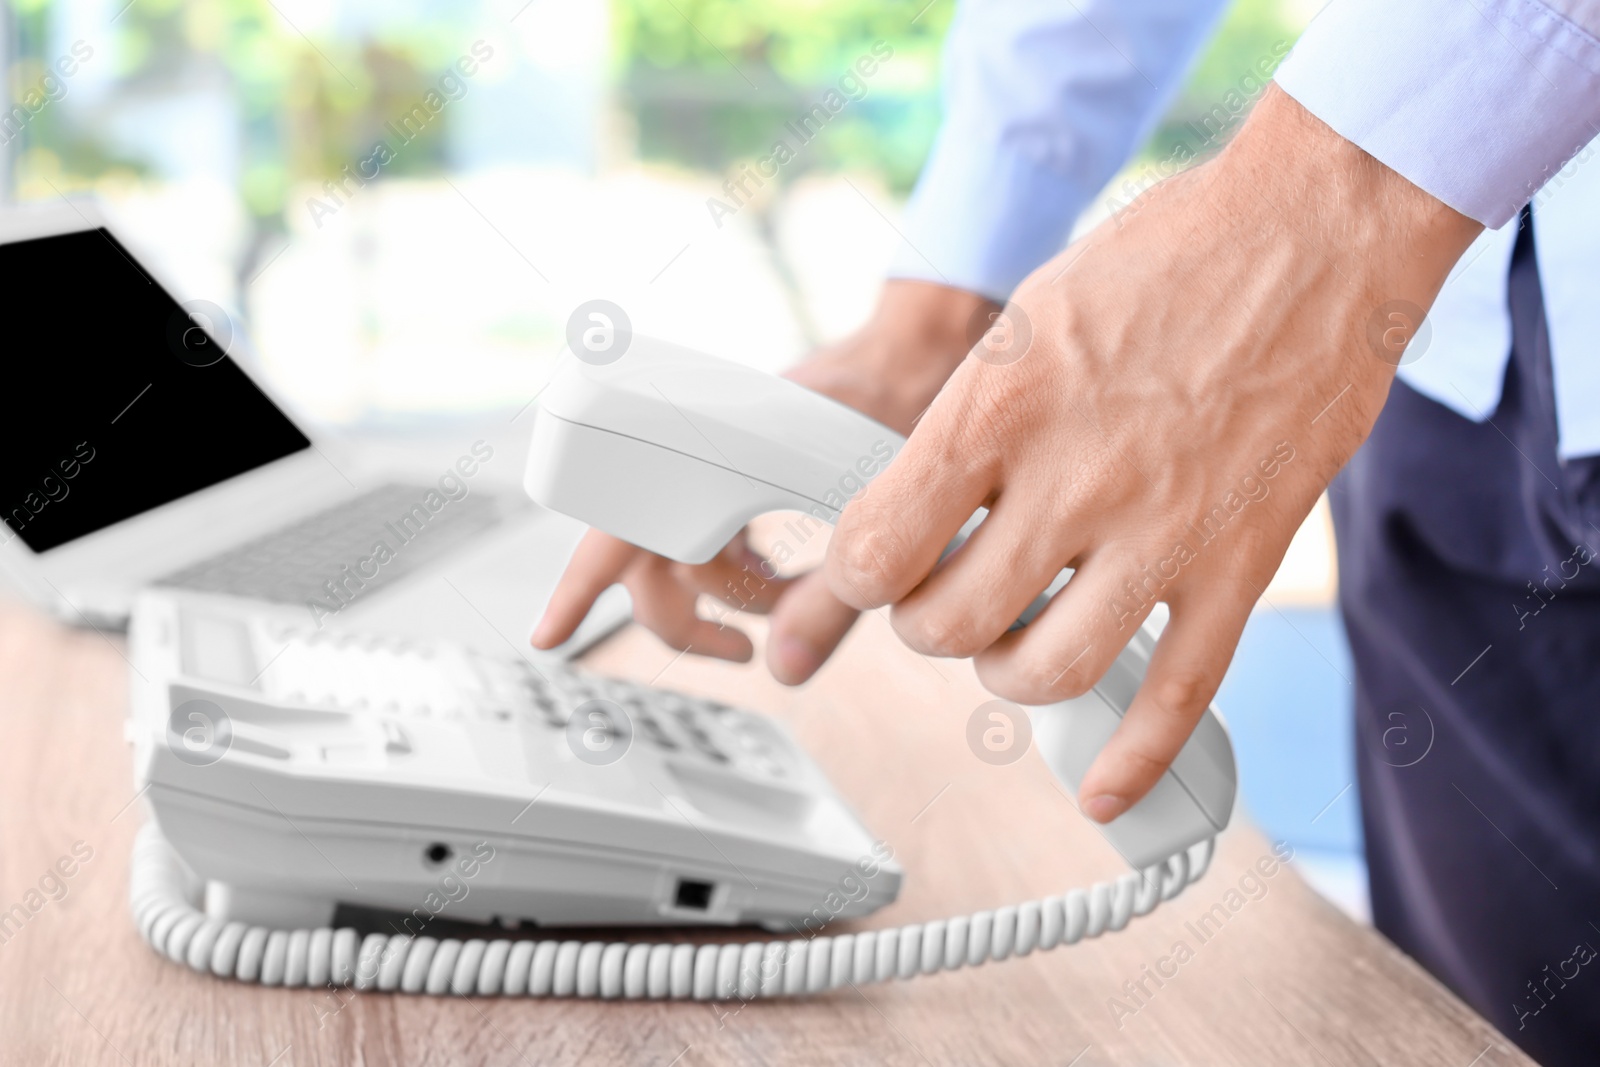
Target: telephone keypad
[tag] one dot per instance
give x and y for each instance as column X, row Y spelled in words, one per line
column 399, row 680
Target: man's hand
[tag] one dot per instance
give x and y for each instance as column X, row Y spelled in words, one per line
column 1199, row 368
column 890, row 369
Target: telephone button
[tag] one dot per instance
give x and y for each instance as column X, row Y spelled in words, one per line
column 396, row 741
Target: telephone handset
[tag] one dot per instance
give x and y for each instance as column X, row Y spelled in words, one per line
column 675, row 451
column 290, row 770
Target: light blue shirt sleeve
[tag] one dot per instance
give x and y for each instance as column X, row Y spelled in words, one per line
column 1044, row 101
column 1479, row 102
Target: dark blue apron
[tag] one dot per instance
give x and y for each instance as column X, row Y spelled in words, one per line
column 1469, row 561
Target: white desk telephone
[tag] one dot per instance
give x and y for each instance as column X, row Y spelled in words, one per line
column 290, row 771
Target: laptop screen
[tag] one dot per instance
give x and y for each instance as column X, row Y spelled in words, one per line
column 119, row 402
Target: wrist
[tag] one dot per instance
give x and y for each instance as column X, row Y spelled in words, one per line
column 1373, row 223
column 896, row 363
column 937, row 321
column 920, row 332
column 1331, row 220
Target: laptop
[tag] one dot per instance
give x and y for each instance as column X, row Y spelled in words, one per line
column 136, row 450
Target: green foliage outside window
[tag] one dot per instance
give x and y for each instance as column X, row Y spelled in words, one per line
column 714, row 82
column 707, row 84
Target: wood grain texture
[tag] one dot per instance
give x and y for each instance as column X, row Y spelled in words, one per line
column 1286, row 979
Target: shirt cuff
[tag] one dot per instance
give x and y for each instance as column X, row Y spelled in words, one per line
column 964, row 224
column 1478, row 102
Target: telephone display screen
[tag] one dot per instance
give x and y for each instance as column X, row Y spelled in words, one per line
column 121, row 400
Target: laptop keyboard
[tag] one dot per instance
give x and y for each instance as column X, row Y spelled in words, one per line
column 334, row 555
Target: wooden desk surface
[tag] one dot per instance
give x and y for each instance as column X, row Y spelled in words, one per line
column 1287, row 979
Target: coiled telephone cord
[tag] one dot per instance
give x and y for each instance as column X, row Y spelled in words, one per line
column 511, row 967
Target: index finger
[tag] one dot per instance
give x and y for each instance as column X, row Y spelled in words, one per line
column 1184, row 674
column 891, row 536
column 596, row 565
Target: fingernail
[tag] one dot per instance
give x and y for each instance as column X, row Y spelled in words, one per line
column 1105, row 807
column 798, row 659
